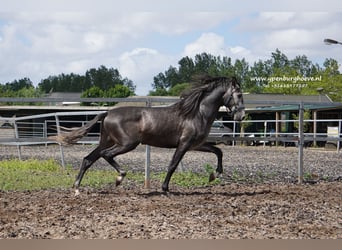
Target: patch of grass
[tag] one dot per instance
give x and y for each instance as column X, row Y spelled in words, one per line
column 312, row 177
column 261, row 177
column 237, row 176
column 35, row 175
column 187, row 179
column 16, row 175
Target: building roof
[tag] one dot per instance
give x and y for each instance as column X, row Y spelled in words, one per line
column 318, row 107
column 253, row 102
column 268, row 102
column 287, row 98
column 66, row 95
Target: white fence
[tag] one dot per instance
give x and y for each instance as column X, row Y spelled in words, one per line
column 268, row 134
column 30, row 130
column 34, row 130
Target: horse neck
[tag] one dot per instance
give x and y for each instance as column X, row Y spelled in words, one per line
column 210, row 105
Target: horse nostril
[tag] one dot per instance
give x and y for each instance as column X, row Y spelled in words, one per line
column 239, row 117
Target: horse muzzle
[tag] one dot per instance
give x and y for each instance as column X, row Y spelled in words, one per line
column 239, row 114
column 239, row 117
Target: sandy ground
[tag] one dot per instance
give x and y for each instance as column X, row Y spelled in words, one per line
column 265, row 203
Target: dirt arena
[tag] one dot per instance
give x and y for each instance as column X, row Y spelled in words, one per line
column 276, row 208
column 222, row 212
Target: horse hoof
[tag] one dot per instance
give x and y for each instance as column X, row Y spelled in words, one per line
column 165, row 189
column 77, row 192
column 212, row 177
column 118, row 180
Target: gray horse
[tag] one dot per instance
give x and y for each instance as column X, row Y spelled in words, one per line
column 184, row 125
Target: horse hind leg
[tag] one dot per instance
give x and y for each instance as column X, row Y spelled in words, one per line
column 116, row 166
column 109, row 155
column 86, row 164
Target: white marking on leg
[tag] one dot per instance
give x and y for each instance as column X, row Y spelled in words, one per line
column 77, row 192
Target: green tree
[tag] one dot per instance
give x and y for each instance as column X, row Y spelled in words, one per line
column 258, row 77
column 158, row 92
column 203, row 63
column 167, row 79
column 279, row 60
column 328, row 81
column 63, row 83
column 178, row 89
column 306, row 125
column 241, row 71
column 278, row 74
column 186, row 69
column 93, row 92
column 18, row 84
column 104, row 78
column 101, row 77
column 118, row 91
column 303, row 66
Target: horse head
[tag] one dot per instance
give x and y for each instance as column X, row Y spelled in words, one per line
column 233, row 100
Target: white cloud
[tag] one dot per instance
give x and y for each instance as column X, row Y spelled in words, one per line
column 94, row 41
column 216, row 45
column 38, row 44
column 208, row 42
column 140, row 65
column 168, row 6
column 294, row 33
column 141, row 44
column 289, row 39
column 269, row 21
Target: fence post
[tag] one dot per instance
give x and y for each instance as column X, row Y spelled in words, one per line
column 265, row 133
column 300, row 142
column 16, row 131
column 339, row 136
column 148, row 158
column 315, row 128
column 234, row 132
column 60, row 145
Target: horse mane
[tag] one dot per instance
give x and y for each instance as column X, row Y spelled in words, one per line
column 201, row 87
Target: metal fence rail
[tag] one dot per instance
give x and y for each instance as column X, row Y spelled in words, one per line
column 39, row 135
column 266, row 134
column 25, row 131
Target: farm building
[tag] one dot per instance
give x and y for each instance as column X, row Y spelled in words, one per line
column 259, row 107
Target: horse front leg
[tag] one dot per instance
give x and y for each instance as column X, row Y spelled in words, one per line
column 207, row 147
column 177, row 157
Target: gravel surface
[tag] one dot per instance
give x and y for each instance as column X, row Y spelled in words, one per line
column 234, row 211
column 258, row 199
column 258, row 164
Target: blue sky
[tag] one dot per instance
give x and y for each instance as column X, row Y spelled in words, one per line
column 143, row 38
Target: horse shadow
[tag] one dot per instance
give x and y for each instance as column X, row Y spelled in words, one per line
column 199, row 193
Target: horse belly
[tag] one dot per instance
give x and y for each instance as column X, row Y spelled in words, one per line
column 160, row 140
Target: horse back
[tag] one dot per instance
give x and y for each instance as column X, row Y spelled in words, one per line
column 155, row 126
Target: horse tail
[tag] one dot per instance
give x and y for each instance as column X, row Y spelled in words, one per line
column 74, row 134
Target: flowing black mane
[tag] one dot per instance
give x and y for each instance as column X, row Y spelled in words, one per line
column 191, row 98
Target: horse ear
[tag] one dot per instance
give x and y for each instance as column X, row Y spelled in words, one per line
column 235, row 82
